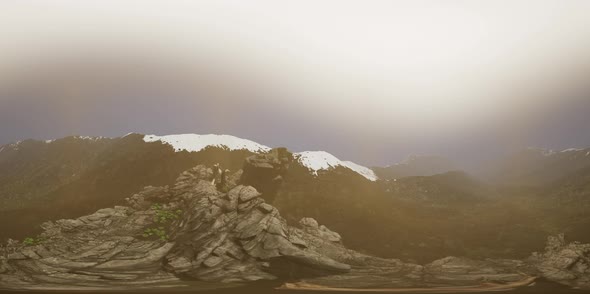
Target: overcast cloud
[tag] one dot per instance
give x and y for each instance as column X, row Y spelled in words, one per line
column 369, row 81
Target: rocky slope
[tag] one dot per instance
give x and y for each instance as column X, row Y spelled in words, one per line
column 30, row 169
column 210, row 227
column 441, row 189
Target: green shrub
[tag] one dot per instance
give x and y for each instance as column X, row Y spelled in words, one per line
column 158, row 232
column 163, row 215
column 30, row 241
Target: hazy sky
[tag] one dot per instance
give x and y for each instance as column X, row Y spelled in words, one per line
column 369, row 81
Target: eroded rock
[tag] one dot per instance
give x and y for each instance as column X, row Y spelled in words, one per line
column 194, row 231
column 568, row 264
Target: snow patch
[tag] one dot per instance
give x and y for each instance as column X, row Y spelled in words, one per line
column 90, row 138
column 362, row 170
column 571, row 150
column 15, row 146
column 195, row 143
column 544, row 152
column 322, row 160
column 548, row 152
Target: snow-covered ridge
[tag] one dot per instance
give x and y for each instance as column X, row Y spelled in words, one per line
column 571, row 150
column 89, row 138
column 194, row 142
column 322, row 160
column 314, row 160
column 549, row 152
column 14, row 146
column 542, row 151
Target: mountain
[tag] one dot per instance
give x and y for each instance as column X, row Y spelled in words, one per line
column 196, row 143
column 416, row 165
column 449, row 187
column 416, row 218
column 538, row 167
column 322, row 160
column 73, row 176
column 30, row 169
column 566, row 204
column 420, row 219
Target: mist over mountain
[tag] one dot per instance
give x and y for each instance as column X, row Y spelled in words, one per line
column 264, row 146
column 536, row 166
column 416, row 165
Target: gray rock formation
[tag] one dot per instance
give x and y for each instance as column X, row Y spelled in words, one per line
column 565, row 263
column 191, row 230
column 196, row 231
column 265, row 171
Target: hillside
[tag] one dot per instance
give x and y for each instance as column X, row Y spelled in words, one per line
column 99, row 174
column 538, row 167
column 416, row 218
column 416, row 165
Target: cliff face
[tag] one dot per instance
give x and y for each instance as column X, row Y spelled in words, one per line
column 194, row 230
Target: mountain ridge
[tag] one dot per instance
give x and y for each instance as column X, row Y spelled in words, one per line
column 314, row 160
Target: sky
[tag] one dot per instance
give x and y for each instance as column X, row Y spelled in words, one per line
column 368, row 81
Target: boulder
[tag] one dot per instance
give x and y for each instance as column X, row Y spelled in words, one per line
column 564, row 263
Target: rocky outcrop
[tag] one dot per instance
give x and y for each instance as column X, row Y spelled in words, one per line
column 568, row 264
column 563, row 263
column 266, row 171
column 311, row 226
column 197, row 230
column 191, row 230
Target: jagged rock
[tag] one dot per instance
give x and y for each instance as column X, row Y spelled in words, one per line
column 215, row 237
column 233, row 179
column 266, row 208
column 308, row 222
column 311, row 226
column 564, row 263
column 212, row 261
column 149, row 195
column 246, row 194
column 265, row 171
column 199, row 232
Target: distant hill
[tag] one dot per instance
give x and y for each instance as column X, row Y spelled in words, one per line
column 538, row 167
column 449, row 187
column 416, row 165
